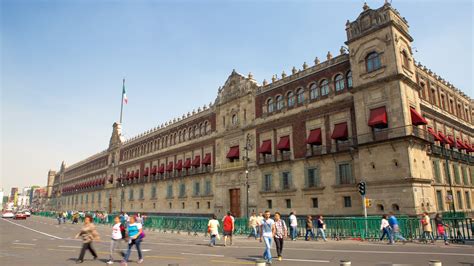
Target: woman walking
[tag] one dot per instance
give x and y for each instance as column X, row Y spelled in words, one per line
column 321, row 228
column 385, row 228
column 117, row 238
column 135, row 236
column 309, row 228
column 427, row 230
column 440, row 228
column 213, row 230
column 88, row 234
column 280, row 233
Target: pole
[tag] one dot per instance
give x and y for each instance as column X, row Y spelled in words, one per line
column 121, row 103
column 121, row 194
column 247, row 186
column 446, row 157
column 365, row 215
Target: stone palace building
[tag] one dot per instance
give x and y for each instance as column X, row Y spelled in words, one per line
column 301, row 141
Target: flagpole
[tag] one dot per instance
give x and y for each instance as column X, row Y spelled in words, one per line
column 121, row 104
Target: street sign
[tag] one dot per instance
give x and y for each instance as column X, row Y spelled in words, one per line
column 361, row 187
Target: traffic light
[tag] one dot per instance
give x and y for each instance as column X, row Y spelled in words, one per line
column 368, row 203
column 361, row 187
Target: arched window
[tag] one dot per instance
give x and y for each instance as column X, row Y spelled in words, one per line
column 234, row 119
column 324, row 87
column 190, row 133
column 300, row 94
column 405, row 60
column 174, row 138
column 373, row 62
column 349, row 79
column 166, row 141
column 195, row 131
column 270, row 105
column 339, row 82
column 279, row 102
column 313, row 91
column 184, row 134
column 206, row 124
column 291, row 99
column 201, row 129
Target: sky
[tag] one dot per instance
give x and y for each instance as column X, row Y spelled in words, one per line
column 62, row 63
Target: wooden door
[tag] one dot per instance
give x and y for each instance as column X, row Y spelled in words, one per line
column 235, row 202
column 110, row 205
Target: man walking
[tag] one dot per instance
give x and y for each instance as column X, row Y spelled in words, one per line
column 393, row 222
column 253, row 223
column 268, row 232
column 321, row 228
column 293, row 226
column 228, row 226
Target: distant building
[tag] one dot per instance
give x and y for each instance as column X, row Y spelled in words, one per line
column 13, row 193
column 1, row 198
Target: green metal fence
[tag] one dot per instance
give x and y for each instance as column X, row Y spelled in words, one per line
column 460, row 229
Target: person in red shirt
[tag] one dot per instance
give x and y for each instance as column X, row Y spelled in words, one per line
column 228, row 226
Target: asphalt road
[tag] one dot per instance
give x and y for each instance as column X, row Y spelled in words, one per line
column 40, row 241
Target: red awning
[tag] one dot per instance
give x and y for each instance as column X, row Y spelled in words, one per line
column 433, row 133
column 234, row 152
column 443, row 138
column 416, row 118
column 340, row 131
column 153, row 170
column 196, row 161
column 169, row 167
column 315, row 137
column 187, row 163
column 161, row 169
column 207, row 159
column 179, row 165
column 266, row 147
column 284, row 143
column 451, row 141
column 469, row 147
column 378, row 117
column 146, row 172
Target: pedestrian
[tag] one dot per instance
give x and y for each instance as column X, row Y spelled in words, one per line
column 293, row 226
column 135, row 236
column 440, row 228
column 64, row 217
column 253, row 224
column 321, row 228
column 395, row 234
column 60, row 217
column 213, row 230
column 280, row 234
column 139, row 219
column 309, row 228
column 228, row 226
column 385, row 228
column 268, row 232
column 259, row 222
column 116, row 239
column 88, row 234
column 75, row 218
column 427, row 230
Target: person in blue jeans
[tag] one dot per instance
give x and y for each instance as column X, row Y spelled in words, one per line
column 321, row 228
column 268, row 230
column 395, row 234
column 293, row 226
column 309, row 228
column 386, row 230
column 135, row 235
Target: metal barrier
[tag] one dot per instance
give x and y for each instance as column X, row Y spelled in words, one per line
column 459, row 228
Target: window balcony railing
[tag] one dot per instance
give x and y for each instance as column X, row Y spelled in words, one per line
column 230, row 165
column 266, row 158
column 283, row 156
column 392, row 133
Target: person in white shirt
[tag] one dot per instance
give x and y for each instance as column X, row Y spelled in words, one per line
column 293, row 226
column 213, row 230
column 385, row 228
column 116, row 239
column 268, row 232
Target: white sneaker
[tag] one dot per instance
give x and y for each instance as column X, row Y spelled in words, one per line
column 110, row 262
column 140, row 261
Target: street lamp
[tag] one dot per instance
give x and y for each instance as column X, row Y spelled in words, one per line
column 248, row 147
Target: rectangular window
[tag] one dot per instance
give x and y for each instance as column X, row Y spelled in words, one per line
column 315, row 202
column 437, row 172
column 154, row 205
column 467, row 198
column 92, row 198
column 288, row 203
column 99, row 197
column 267, row 182
column 269, row 204
column 312, row 178
column 153, row 192
column 208, row 204
column 459, row 196
column 439, row 200
column 285, row 180
column 87, row 198
column 182, row 190
column 208, row 188
column 457, row 177
column 197, row 189
column 465, row 177
column 347, row 202
column 130, row 194
column 345, row 174
column 197, row 205
column 169, row 191
column 142, row 194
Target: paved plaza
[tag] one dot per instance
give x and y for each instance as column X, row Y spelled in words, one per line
column 40, row 241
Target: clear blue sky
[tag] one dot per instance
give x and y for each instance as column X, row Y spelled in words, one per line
column 63, row 63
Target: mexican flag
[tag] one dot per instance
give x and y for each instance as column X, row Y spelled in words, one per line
column 124, row 93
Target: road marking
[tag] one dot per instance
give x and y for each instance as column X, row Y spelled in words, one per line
column 68, row 247
column 198, row 254
column 22, row 247
column 24, row 244
column 298, row 260
column 43, row 233
column 165, row 257
column 55, row 249
column 233, row 262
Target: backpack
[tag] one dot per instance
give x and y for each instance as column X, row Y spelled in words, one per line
column 122, row 231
